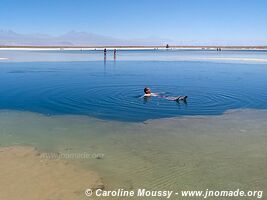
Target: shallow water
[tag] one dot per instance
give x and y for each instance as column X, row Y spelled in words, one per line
column 226, row 152
column 226, row 56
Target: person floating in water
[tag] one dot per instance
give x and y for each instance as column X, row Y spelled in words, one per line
column 148, row 93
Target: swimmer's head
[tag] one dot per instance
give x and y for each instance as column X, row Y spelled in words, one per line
column 147, row 90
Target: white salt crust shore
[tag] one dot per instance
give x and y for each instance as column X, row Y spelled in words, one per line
column 125, row 48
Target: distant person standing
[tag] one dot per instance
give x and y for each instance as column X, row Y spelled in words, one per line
column 105, row 55
column 115, row 52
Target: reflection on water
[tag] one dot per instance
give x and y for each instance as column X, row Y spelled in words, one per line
column 223, row 152
column 113, row 92
column 228, row 56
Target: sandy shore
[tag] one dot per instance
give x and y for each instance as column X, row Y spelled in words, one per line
column 26, row 176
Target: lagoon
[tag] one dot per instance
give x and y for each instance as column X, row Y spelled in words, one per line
column 112, row 89
column 216, row 141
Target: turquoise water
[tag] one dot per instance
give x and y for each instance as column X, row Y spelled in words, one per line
column 112, row 90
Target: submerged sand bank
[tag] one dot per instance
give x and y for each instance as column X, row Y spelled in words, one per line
column 26, row 176
column 223, row 152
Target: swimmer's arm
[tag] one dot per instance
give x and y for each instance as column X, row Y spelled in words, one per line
column 145, row 95
column 154, row 94
column 150, row 95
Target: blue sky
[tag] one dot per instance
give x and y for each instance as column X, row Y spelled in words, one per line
column 199, row 20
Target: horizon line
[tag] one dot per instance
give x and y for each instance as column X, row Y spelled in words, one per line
column 139, row 46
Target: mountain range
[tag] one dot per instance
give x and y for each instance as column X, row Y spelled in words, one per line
column 71, row 38
column 74, row 38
